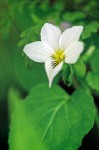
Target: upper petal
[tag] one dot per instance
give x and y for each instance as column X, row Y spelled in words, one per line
column 50, row 35
column 37, row 51
column 69, row 36
column 52, row 72
column 73, row 52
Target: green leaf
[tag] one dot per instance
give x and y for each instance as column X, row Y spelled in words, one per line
column 30, row 73
column 5, row 25
column 94, row 61
column 29, row 35
column 7, row 75
column 60, row 120
column 93, row 80
column 80, row 69
column 21, row 136
column 89, row 29
column 69, row 16
column 67, row 74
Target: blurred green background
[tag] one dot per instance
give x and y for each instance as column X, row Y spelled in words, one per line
column 20, row 23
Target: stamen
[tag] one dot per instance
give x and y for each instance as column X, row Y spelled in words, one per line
column 57, row 57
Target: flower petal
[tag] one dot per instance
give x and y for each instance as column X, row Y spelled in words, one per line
column 73, row 52
column 52, row 72
column 37, row 51
column 69, row 36
column 50, row 35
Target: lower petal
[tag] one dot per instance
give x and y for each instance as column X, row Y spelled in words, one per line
column 52, row 72
column 73, row 52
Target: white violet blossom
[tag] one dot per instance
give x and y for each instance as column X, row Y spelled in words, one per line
column 55, row 48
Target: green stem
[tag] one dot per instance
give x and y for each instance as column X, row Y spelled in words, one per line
column 88, row 54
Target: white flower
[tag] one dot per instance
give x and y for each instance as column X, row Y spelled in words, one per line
column 56, row 48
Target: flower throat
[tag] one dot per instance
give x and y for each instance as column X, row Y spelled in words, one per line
column 57, row 57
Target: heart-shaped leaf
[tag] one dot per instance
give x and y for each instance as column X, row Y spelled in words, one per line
column 60, row 120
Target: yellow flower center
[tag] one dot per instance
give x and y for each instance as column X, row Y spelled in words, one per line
column 58, row 57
